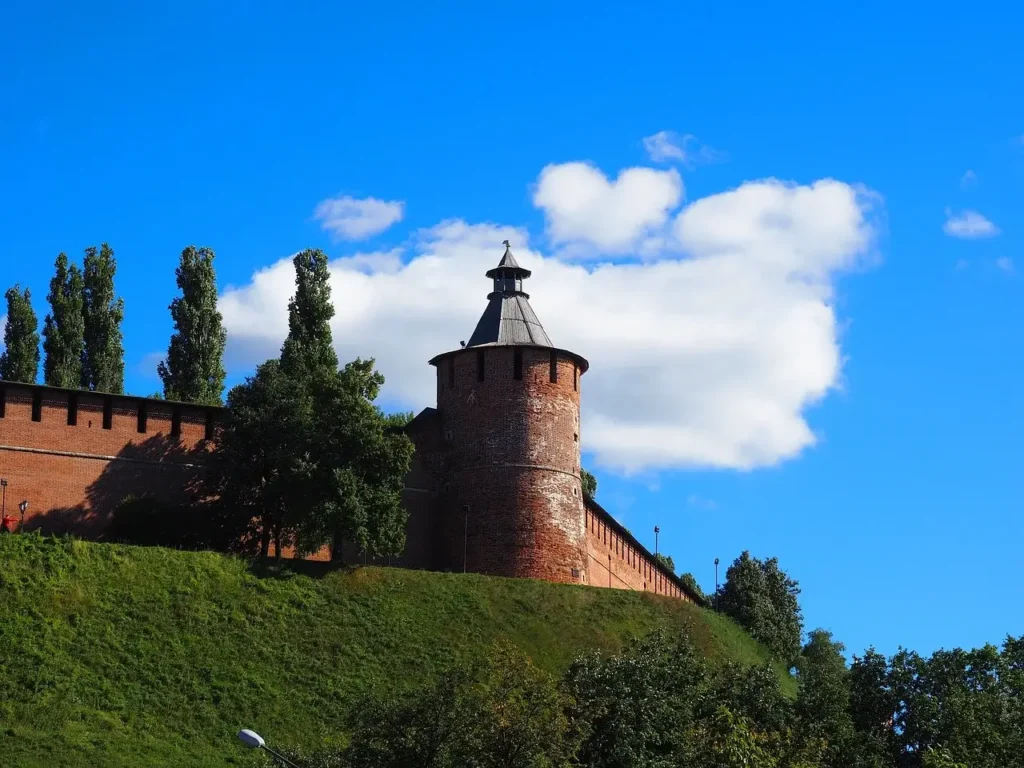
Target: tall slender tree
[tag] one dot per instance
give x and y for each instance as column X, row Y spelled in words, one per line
column 194, row 369
column 20, row 358
column 64, row 327
column 309, row 345
column 103, row 311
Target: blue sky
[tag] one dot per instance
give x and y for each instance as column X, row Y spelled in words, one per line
column 227, row 124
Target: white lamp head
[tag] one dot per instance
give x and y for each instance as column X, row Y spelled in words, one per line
column 251, row 739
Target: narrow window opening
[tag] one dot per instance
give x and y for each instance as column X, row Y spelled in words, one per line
column 554, row 368
column 142, row 418
column 517, row 365
column 176, row 422
column 73, row 409
column 479, row 365
column 3, row 401
column 451, row 371
column 575, row 378
column 108, row 412
column 37, row 405
column 208, row 435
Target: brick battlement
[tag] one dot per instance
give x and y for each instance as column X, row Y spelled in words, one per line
column 74, row 455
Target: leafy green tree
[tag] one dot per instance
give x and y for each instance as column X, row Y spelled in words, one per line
column 759, row 596
column 305, row 451
column 260, row 472
column 666, row 560
column 400, row 419
column 940, row 758
column 727, row 741
column 752, row 693
column 194, row 369
column 632, row 709
column 503, row 712
column 589, row 483
column 873, row 705
column 64, row 326
column 20, row 358
column 691, row 583
column 823, row 702
column 103, row 311
column 309, row 345
column 357, row 465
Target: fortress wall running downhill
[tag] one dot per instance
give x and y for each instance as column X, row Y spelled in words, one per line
column 617, row 561
column 74, row 456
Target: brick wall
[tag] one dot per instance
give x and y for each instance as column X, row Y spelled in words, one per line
column 511, row 455
column 75, row 455
column 618, row 563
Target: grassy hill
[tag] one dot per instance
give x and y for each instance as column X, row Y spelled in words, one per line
column 126, row 656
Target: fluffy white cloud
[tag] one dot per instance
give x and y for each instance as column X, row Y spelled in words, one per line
column 704, row 360
column 1005, row 264
column 969, row 178
column 968, row 225
column 667, row 146
column 593, row 215
column 349, row 218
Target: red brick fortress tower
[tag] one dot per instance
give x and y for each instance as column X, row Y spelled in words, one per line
column 510, row 501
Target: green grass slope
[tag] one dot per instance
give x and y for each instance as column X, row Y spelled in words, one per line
column 125, row 656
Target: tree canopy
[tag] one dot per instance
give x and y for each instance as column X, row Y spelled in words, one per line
column 20, row 358
column 589, row 483
column 306, row 456
column 194, row 369
column 64, row 326
column 103, row 311
column 763, row 599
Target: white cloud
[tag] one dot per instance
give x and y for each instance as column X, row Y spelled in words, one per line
column 593, row 215
column 667, row 146
column 349, row 218
column 147, row 366
column 968, row 225
column 3, row 332
column 1005, row 264
column 968, row 179
column 698, row 501
column 709, row 360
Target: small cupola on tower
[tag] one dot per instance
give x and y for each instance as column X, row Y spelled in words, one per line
column 508, row 319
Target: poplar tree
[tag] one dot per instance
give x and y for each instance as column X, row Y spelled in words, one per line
column 64, row 327
column 103, row 354
column 20, row 358
column 194, row 369
column 309, row 345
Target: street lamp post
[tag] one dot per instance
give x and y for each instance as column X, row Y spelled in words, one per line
column 23, row 507
column 3, row 504
column 253, row 740
column 657, row 530
column 716, row 583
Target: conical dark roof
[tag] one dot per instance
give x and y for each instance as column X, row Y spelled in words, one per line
column 508, row 262
column 508, row 319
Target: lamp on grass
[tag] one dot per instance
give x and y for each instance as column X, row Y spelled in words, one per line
column 253, row 740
